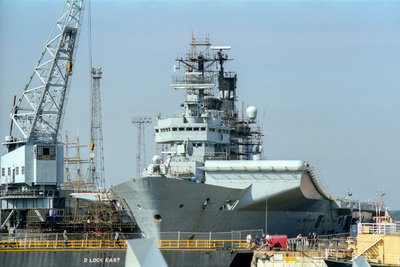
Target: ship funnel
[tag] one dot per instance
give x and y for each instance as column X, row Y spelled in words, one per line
column 251, row 112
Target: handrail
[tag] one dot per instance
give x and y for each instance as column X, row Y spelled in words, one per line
column 234, row 244
column 238, row 244
column 166, row 244
column 378, row 228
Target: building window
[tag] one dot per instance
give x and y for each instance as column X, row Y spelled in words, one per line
column 16, row 170
column 3, row 171
column 45, row 152
column 22, row 170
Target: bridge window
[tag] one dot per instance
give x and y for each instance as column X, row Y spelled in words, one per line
column 16, row 170
column 3, row 171
column 23, row 170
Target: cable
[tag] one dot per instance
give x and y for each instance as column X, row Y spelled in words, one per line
column 90, row 38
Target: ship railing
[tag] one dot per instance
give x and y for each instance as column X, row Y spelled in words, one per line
column 192, row 79
column 216, row 156
column 230, row 244
column 18, row 236
column 323, row 242
column 338, row 254
column 27, row 193
column 233, row 235
column 378, row 228
column 61, row 244
column 346, row 202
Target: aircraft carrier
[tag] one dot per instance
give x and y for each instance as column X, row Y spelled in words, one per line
column 210, row 174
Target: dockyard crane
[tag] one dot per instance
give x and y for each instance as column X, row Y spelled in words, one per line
column 39, row 110
column 34, row 162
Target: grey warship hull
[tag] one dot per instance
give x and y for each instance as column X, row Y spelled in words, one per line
column 289, row 203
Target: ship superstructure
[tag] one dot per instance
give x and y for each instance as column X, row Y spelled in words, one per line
column 210, row 175
column 209, row 127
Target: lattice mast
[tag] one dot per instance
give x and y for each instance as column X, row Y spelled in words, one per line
column 96, row 133
column 141, row 123
column 38, row 112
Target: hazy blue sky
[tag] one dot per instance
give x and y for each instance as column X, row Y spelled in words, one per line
column 326, row 74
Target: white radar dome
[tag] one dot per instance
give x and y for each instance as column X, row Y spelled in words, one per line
column 156, row 159
column 251, row 112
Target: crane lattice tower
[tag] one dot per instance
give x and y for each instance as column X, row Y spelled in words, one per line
column 96, row 133
column 141, row 123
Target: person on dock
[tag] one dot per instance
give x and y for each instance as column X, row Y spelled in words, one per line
column 309, row 240
column 116, row 239
column 65, row 237
column 248, row 241
column 299, row 240
column 314, row 240
column 258, row 240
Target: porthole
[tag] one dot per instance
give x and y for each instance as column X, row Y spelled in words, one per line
column 157, row 217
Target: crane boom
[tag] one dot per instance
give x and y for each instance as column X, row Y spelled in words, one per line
column 38, row 112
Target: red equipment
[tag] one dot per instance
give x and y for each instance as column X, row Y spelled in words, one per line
column 277, row 241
